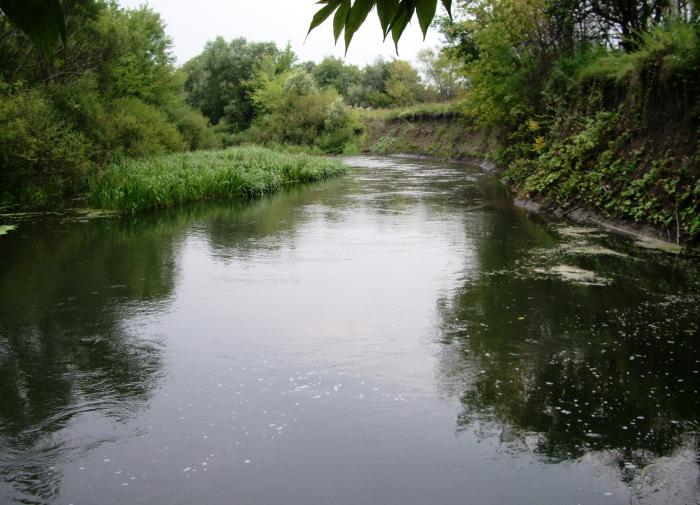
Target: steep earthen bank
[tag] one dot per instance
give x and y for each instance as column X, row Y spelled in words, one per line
column 441, row 136
column 452, row 138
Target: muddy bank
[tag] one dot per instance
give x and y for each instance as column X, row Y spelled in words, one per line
column 444, row 138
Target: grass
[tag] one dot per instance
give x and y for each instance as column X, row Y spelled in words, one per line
column 134, row 185
column 413, row 111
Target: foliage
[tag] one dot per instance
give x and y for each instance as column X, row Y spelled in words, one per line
column 141, row 129
column 41, row 20
column 403, row 84
column 394, row 15
column 112, row 91
column 192, row 125
column 42, row 157
column 599, row 101
column 156, row 182
column 609, row 147
column 384, row 145
column 139, row 63
column 334, row 72
column 291, row 109
column 504, row 80
column 217, row 79
column 442, row 74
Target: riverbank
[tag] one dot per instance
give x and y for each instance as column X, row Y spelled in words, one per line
column 164, row 181
column 442, row 134
column 648, row 191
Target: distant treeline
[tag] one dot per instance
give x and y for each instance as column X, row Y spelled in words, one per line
column 256, row 92
column 113, row 91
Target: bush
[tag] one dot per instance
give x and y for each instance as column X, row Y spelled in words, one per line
column 42, row 157
column 80, row 104
column 193, row 126
column 292, row 110
column 141, row 129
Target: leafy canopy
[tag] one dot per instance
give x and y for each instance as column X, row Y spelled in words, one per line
column 44, row 23
column 41, row 20
column 393, row 15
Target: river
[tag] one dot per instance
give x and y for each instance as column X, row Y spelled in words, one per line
column 400, row 335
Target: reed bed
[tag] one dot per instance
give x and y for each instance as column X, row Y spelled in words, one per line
column 134, row 185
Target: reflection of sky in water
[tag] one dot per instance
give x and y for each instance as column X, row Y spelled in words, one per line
column 400, row 335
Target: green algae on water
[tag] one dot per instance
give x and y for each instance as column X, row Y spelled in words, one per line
column 592, row 250
column 575, row 275
column 658, row 245
column 6, row 228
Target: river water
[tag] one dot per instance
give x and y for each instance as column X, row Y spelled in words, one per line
column 401, row 335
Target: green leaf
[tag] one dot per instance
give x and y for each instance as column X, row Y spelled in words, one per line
column 386, row 10
column 448, row 7
column 358, row 14
column 398, row 25
column 426, row 13
column 323, row 13
column 41, row 20
column 341, row 17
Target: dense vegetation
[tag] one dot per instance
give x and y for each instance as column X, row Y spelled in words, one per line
column 164, row 181
column 254, row 92
column 597, row 104
column 594, row 103
column 600, row 102
column 110, row 91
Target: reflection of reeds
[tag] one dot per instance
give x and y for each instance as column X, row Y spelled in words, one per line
column 164, row 181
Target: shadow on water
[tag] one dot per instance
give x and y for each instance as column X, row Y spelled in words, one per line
column 567, row 369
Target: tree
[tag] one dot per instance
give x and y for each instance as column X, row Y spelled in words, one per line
column 217, row 78
column 140, row 63
column 334, row 72
column 441, row 72
column 291, row 109
column 403, row 84
column 629, row 18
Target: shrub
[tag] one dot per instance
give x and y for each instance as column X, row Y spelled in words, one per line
column 141, row 129
column 42, row 157
column 292, row 110
column 193, row 126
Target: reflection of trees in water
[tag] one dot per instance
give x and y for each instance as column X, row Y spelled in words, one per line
column 563, row 369
column 65, row 353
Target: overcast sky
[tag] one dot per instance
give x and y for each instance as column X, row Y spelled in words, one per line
column 192, row 24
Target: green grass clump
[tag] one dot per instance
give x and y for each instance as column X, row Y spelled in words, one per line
column 420, row 110
column 163, row 181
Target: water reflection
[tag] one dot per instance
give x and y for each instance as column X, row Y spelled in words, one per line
column 76, row 294
column 66, row 355
column 285, row 349
column 564, row 369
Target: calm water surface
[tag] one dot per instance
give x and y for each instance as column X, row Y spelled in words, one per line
column 402, row 335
